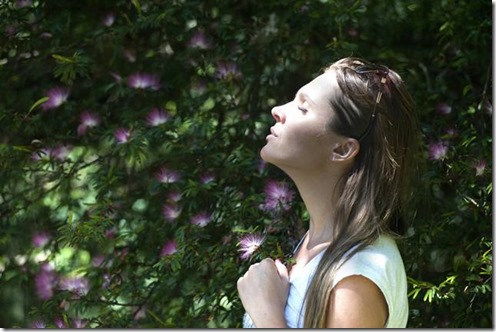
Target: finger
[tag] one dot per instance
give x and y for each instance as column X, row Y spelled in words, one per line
column 282, row 270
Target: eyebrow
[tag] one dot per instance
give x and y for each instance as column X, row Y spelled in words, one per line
column 305, row 96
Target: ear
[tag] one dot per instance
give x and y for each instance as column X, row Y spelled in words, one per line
column 345, row 150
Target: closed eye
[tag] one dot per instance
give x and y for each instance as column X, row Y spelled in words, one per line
column 303, row 110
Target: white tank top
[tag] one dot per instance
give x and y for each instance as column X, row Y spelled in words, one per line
column 380, row 262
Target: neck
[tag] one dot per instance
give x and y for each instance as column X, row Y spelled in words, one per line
column 316, row 188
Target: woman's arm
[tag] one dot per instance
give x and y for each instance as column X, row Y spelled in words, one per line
column 357, row 302
column 264, row 291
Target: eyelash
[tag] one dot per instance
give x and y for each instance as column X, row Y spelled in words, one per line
column 304, row 110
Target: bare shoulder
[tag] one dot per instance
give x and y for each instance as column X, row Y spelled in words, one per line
column 357, row 302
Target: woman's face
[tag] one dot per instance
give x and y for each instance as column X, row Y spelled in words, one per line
column 301, row 138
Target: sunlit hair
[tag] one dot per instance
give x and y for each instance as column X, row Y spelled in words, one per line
column 374, row 194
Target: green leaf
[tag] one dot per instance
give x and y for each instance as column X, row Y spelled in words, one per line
column 37, row 103
column 137, row 4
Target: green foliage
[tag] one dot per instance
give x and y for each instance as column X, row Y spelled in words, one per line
column 215, row 69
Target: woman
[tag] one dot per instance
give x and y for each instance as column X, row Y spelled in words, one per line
column 347, row 141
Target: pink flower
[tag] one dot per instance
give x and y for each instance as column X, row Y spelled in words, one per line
column 443, row 108
column 171, row 212
column 198, row 88
column 168, row 249
column 451, row 132
column 37, row 324
column 107, row 279
column 109, row 19
column 143, row 81
column 121, row 135
column 76, row 285
column 97, row 260
column 45, row 282
column 42, row 154
column 88, row 120
column 117, row 77
column 56, row 97
column 174, row 196
column 227, row 70
column 249, row 244
column 140, row 312
column 60, row 323
column 199, row 41
column 207, row 178
column 78, row 323
column 201, row 219
column 61, row 152
column 480, row 167
column 157, row 117
column 278, row 195
column 46, row 35
column 438, row 150
column 165, row 175
column 40, row 239
column 110, row 233
column 23, row 3
column 130, row 55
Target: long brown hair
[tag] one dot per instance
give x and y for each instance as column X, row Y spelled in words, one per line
column 376, row 109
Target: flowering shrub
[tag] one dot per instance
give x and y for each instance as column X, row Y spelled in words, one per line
column 132, row 193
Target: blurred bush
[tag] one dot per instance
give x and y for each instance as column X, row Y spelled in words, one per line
column 132, row 194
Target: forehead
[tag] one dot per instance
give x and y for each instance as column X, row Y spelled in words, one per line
column 322, row 88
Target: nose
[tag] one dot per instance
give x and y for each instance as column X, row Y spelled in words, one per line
column 278, row 114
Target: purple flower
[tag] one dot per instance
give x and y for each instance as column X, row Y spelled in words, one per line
column 249, row 244
column 207, row 178
column 168, row 249
column 198, row 88
column 130, row 55
column 109, row 19
column 443, row 108
column 37, row 324
column 438, row 150
column 60, row 323
column 200, row 41
column 278, row 195
column 45, row 282
column 121, row 135
column 171, row 212
column 165, row 175
column 61, row 152
column 10, row 30
column 451, row 132
column 40, row 239
column 140, row 312
column 97, row 260
column 45, row 153
column 76, row 285
column 45, row 35
column 78, row 323
column 88, row 120
column 117, row 77
column 56, row 97
column 227, row 70
column 157, row 117
column 201, row 219
column 23, row 3
column 143, row 81
column 174, row 196
column 480, row 167
column 107, row 279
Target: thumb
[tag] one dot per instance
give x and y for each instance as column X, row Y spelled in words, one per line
column 282, row 270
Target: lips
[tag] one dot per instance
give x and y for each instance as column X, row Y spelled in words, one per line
column 272, row 131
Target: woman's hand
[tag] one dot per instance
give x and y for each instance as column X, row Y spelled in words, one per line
column 264, row 291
